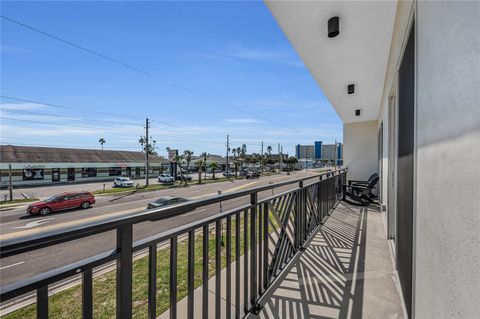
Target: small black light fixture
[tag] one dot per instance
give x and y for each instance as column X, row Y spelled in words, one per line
column 357, row 112
column 333, row 27
column 351, row 89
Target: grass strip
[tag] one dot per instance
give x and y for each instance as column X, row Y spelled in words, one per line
column 6, row 203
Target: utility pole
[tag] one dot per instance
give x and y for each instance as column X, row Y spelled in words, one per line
column 281, row 157
column 228, row 150
column 147, row 148
column 10, row 186
column 336, row 151
column 278, row 152
column 261, row 159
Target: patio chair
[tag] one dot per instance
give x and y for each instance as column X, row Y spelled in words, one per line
column 359, row 194
column 364, row 183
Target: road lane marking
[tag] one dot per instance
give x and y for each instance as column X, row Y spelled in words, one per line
column 34, row 223
column 195, row 211
column 16, row 264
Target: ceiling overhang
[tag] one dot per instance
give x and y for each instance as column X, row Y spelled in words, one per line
column 358, row 55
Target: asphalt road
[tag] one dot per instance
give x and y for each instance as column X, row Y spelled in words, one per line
column 26, row 265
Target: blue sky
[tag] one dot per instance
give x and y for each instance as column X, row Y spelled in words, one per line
column 215, row 68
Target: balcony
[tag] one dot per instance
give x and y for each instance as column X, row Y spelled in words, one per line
column 298, row 253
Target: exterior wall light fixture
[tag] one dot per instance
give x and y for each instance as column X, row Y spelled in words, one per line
column 333, row 27
column 351, row 89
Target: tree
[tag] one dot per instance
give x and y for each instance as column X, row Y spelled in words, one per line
column 102, row 141
column 152, row 145
column 187, row 155
column 291, row 161
column 213, row 167
column 205, row 157
column 254, row 160
column 178, row 163
column 199, row 164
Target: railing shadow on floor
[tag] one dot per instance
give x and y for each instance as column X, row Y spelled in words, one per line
column 325, row 281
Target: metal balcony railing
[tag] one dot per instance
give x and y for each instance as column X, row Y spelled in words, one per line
column 272, row 231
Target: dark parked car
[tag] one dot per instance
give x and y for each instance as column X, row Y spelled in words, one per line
column 252, row 174
column 60, row 202
column 166, row 201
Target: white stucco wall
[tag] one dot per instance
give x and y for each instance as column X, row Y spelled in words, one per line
column 360, row 149
column 447, row 217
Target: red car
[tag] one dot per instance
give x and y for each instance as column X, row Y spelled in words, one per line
column 62, row 202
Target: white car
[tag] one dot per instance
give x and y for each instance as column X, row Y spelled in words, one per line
column 122, row 182
column 165, row 178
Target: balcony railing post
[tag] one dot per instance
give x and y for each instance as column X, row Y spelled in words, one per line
column 253, row 251
column 124, row 272
column 300, row 215
column 152, row 281
column 173, row 277
column 319, row 201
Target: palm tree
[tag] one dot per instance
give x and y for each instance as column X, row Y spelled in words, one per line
column 187, row 155
column 199, row 164
column 213, row 167
column 205, row 156
column 178, row 160
column 102, row 141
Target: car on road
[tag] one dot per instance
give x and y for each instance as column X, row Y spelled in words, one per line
column 61, row 202
column 165, row 178
column 252, row 174
column 166, row 201
column 185, row 177
column 230, row 173
column 122, row 182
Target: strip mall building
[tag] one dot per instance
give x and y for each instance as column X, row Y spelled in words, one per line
column 32, row 166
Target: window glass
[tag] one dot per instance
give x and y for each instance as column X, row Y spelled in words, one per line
column 89, row 172
column 114, row 171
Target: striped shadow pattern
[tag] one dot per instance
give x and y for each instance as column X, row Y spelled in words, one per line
column 319, row 284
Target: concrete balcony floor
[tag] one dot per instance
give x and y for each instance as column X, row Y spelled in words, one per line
column 345, row 272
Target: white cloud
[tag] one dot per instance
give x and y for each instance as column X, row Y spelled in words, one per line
column 10, row 49
column 244, row 121
column 24, row 106
column 238, row 53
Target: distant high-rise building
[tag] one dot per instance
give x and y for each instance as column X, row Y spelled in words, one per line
column 304, row 151
column 320, row 151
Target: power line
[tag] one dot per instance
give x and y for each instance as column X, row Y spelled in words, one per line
column 78, row 108
column 78, row 46
column 9, row 110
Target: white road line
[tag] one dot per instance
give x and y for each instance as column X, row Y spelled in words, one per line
column 195, row 211
column 16, row 264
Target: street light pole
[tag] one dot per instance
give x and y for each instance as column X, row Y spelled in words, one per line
column 147, row 124
column 261, row 159
column 228, row 149
column 10, row 186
